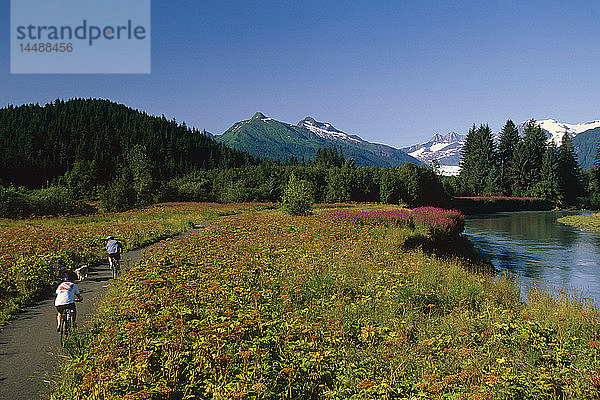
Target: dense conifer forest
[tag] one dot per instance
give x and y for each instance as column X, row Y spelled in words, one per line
column 525, row 166
column 40, row 143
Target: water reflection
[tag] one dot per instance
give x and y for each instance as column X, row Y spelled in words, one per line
column 536, row 247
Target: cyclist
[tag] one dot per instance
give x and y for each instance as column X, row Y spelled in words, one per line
column 113, row 248
column 66, row 293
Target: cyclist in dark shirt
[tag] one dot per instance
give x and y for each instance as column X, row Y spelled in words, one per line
column 114, row 249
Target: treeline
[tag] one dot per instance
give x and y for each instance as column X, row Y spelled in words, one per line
column 38, row 144
column 522, row 166
column 330, row 178
column 55, row 200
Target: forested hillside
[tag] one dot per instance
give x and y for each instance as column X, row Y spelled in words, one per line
column 266, row 137
column 40, row 143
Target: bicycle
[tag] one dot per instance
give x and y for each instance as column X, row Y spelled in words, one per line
column 66, row 327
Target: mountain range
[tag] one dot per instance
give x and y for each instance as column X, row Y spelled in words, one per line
column 446, row 149
column 266, row 137
column 263, row 136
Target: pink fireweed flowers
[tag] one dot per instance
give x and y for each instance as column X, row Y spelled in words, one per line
column 431, row 220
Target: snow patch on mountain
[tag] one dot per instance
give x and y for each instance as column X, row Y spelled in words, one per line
column 326, row 130
column 555, row 129
column 449, row 170
column 445, row 149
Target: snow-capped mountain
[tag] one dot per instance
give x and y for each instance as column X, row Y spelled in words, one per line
column 327, row 131
column 555, row 130
column 266, row 137
column 445, row 149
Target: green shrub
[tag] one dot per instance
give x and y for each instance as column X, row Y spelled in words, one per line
column 13, row 203
column 298, row 197
column 23, row 203
column 53, row 200
column 119, row 195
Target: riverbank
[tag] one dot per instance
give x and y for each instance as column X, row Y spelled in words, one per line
column 589, row 222
column 487, row 205
column 270, row 306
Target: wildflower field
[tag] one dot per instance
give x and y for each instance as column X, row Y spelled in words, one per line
column 266, row 306
column 35, row 253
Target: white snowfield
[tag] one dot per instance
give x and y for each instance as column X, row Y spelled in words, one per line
column 418, row 153
column 449, row 170
column 556, row 129
column 439, row 146
column 326, row 130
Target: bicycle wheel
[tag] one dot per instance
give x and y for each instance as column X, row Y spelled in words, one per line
column 65, row 328
column 62, row 330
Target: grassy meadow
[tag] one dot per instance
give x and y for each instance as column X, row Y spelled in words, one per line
column 35, row 253
column 267, row 306
column 586, row 222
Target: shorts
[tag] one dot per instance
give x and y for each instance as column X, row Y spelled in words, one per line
column 63, row 307
column 115, row 256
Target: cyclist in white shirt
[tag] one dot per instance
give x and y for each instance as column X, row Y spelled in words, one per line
column 66, row 293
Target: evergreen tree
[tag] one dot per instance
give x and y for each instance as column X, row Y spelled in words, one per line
column 81, row 180
column 477, row 158
column 140, row 167
column 520, row 171
column 388, row 186
column 493, row 182
column 419, row 186
column 329, row 157
column 548, row 187
column 38, row 144
column 509, row 138
column 595, row 176
column 339, row 184
column 535, row 146
column 569, row 173
column 525, row 166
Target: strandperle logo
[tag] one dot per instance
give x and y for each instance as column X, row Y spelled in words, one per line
column 75, row 36
column 85, row 31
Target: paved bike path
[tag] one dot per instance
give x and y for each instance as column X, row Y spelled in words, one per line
column 30, row 351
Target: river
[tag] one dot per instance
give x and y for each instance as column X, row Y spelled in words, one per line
column 532, row 245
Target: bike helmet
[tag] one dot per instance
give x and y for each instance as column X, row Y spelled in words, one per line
column 70, row 276
column 109, row 237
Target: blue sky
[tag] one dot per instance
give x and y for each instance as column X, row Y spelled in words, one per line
column 393, row 72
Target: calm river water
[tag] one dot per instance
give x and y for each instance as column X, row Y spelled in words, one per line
column 534, row 246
